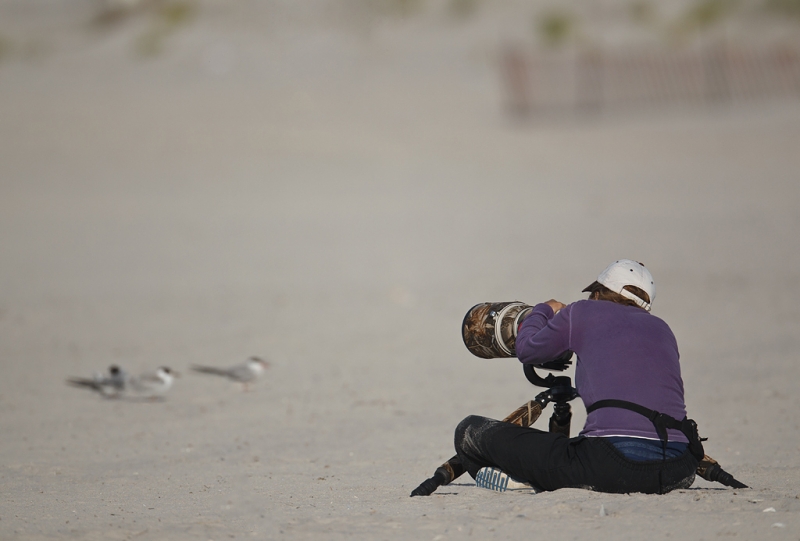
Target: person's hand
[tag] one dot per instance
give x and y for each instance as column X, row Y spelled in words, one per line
column 555, row 305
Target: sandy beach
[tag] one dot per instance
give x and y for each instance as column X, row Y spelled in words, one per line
column 334, row 197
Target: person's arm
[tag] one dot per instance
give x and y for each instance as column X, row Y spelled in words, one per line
column 544, row 335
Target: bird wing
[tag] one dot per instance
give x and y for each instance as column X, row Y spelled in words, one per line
column 211, row 370
column 85, row 382
column 242, row 373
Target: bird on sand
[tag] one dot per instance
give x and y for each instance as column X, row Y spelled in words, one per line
column 117, row 383
column 244, row 373
column 153, row 385
column 111, row 384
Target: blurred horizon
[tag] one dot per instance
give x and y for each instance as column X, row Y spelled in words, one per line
column 352, row 39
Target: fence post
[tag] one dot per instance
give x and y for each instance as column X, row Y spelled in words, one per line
column 589, row 80
column 715, row 72
column 516, row 75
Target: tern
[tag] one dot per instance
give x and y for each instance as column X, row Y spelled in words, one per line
column 153, row 385
column 110, row 385
column 244, row 373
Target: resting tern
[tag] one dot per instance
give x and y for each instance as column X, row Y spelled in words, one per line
column 244, row 373
column 110, row 385
column 153, row 385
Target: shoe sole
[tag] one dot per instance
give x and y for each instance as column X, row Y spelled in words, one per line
column 499, row 481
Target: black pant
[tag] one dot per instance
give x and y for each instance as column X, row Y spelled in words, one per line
column 551, row 461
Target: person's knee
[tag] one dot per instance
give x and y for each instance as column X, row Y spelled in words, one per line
column 464, row 426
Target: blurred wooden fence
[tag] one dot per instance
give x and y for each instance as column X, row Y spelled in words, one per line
column 595, row 80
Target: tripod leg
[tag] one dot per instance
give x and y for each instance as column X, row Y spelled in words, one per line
column 444, row 475
column 525, row 415
column 710, row 470
column 561, row 419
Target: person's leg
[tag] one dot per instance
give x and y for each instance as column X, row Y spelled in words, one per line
column 522, row 453
column 474, row 439
column 551, row 461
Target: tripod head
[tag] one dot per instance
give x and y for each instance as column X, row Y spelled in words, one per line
column 560, row 387
column 557, row 365
column 559, row 391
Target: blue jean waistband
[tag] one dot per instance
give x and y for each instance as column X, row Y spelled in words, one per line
column 642, row 450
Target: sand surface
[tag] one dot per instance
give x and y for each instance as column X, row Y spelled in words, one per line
column 334, row 198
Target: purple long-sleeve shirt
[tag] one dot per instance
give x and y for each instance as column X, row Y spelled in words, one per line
column 623, row 353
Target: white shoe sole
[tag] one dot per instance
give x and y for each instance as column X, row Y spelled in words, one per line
column 499, row 481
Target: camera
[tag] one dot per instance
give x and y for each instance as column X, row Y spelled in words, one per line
column 489, row 331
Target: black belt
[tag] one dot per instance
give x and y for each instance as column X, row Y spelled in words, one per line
column 662, row 422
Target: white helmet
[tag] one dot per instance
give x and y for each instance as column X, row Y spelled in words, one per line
column 626, row 272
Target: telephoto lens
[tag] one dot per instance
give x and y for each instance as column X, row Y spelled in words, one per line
column 489, row 329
